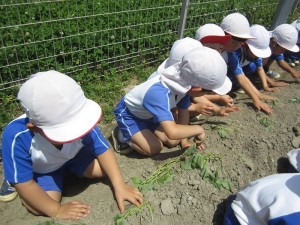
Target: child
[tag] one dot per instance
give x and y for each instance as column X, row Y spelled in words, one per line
column 292, row 58
column 144, row 115
column 212, row 36
column 270, row 200
column 200, row 104
column 284, row 37
column 250, row 58
column 58, row 133
column 238, row 27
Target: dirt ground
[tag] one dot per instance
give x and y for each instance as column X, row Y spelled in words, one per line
column 249, row 151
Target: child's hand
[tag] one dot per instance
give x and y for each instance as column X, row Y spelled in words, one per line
column 263, row 106
column 227, row 100
column 267, row 97
column 279, row 84
column 204, row 108
column 226, row 110
column 126, row 192
column 295, row 75
column 73, row 210
column 268, row 89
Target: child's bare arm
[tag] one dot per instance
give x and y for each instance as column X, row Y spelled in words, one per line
column 249, row 88
column 39, row 202
column 108, row 162
column 283, row 64
column 178, row 131
column 263, row 78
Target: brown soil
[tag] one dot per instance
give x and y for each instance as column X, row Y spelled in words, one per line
column 249, row 151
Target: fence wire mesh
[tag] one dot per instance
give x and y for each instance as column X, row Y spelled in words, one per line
column 69, row 35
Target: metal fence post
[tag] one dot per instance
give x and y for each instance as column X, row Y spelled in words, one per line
column 283, row 10
column 184, row 8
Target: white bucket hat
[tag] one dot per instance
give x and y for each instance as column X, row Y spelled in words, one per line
column 236, row 25
column 55, row 103
column 296, row 24
column 180, row 48
column 286, row 36
column 211, row 33
column 204, row 67
column 260, row 45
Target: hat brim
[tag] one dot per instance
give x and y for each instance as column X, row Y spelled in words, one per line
column 78, row 126
column 215, row 39
column 295, row 48
column 225, row 88
column 261, row 53
column 242, row 36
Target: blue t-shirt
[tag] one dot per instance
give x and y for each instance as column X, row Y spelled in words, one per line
column 25, row 152
column 154, row 100
column 237, row 62
column 277, row 57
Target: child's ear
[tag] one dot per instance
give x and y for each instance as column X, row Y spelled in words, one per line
column 32, row 127
column 273, row 42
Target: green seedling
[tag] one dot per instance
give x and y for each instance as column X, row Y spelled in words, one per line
column 222, row 130
column 265, row 121
column 294, row 100
column 160, row 176
column 275, row 102
column 210, row 165
column 133, row 210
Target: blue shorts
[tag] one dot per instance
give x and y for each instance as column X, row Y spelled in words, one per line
column 229, row 217
column 130, row 124
column 53, row 181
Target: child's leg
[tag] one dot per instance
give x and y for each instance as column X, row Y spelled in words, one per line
column 146, row 142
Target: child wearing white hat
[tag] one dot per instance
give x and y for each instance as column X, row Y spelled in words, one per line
column 183, row 46
column 293, row 58
column 271, row 200
column 144, row 115
column 250, row 57
column 212, row 36
column 284, row 37
column 57, row 134
column 238, row 27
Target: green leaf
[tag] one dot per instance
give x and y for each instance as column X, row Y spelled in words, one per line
column 190, row 151
column 136, row 181
column 166, row 178
column 186, row 165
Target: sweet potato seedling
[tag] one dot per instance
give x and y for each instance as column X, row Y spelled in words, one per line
column 265, row 121
column 209, row 165
column 222, row 130
column 132, row 210
column 160, row 176
column 294, row 100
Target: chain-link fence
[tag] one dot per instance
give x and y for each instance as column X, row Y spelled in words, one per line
column 69, row 35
